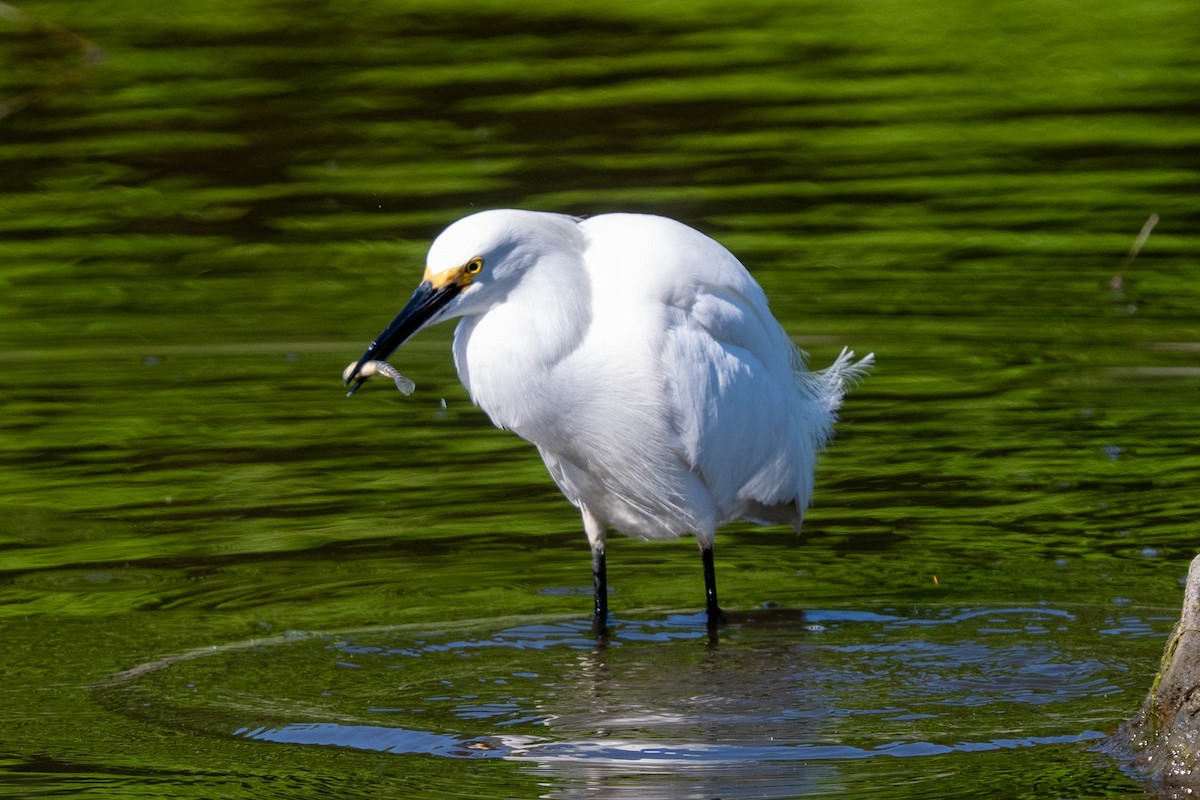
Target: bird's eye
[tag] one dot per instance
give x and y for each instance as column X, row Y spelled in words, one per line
column 474, row 266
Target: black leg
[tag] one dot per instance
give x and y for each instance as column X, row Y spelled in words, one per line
column 600, row 583
column 710, row 586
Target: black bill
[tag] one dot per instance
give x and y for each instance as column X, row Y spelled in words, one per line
column 421, row 307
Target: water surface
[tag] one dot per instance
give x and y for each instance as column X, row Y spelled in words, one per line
column 205, row 214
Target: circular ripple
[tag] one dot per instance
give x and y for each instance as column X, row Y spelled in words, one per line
column 658, row 695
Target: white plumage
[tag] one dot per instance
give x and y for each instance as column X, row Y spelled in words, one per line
column 642, row 360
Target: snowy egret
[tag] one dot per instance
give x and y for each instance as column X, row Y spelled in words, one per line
column 641, row 359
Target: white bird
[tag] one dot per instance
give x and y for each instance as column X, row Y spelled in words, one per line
column 641, row 359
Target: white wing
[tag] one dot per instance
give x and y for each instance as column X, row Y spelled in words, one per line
column 701, row 382
column 748, row 422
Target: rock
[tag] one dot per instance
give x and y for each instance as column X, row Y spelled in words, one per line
column 1162, row 743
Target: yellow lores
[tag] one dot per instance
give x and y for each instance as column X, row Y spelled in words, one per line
column 461, row 276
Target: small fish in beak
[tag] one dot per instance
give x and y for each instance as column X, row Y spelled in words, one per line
column 369, row 368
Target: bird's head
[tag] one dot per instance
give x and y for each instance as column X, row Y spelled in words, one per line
column 471, row 267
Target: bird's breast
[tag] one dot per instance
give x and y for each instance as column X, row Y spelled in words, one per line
column 513, row 368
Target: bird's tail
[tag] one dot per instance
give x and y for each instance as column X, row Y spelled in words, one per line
column 839, row 377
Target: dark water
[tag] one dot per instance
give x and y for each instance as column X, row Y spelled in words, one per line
column 219, row 577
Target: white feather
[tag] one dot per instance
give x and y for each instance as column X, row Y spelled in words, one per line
column 643, row 361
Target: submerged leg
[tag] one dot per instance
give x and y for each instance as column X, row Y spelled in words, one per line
column 600, row 583
column 710, row 585
column 595, row 530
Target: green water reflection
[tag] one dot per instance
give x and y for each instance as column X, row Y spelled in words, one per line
column 206, row 211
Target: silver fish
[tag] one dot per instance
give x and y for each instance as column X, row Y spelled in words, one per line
column 404, row 384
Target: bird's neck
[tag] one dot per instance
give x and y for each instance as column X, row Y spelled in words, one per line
column 506, row 354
